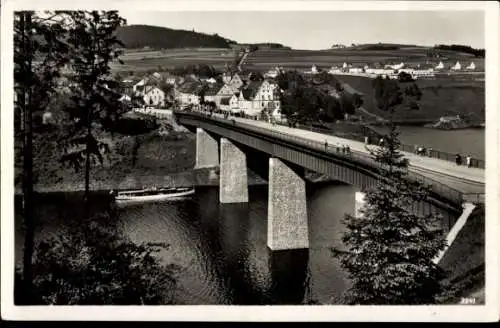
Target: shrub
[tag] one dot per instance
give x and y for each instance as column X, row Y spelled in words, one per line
column 97, row 266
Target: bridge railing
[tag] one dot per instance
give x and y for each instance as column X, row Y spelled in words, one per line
column 437, row 187
column 475, row 162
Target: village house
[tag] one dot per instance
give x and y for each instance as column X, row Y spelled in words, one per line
column 439, row 66
column 356, row 70
column 257, row 96
column 189, row 93
column 167, row 77
column 127, row 85
column 471, row 67
column 236, row 82
column 211, row 92
column 152, row 95
column 210, row 80
column 140, row 84
column 225, row 91
column 395, row 66
column 314, row 69
column 456, row 67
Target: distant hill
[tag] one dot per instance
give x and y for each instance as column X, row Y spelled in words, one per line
column 156, row 37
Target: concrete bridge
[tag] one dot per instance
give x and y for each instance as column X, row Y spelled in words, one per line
column 282, row 155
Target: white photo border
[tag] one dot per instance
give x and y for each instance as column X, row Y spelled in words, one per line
column 437, row 313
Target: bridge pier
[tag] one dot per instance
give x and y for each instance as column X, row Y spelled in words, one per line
column 233, row 186
column 207, row 150
column 359, row 202
column 287, row 208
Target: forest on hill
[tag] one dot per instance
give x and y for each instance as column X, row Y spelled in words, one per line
column 156, row 37
column 461, row 48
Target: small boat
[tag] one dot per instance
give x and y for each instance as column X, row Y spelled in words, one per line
column 151, row 194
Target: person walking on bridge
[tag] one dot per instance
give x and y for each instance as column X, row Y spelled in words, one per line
column 469, row 161
column 326, row 145
column 458, row 159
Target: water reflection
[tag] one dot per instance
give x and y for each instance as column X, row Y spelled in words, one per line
column 289, row 270
column 234, row 226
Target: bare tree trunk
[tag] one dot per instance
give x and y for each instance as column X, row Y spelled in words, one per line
column 87, row 171
column 28, row 163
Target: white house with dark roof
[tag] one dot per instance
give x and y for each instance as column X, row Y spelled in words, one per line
column 471, row 67
column 439, row 66
column 225, row 91
column 255, row 97
column 152, row 95
column 456, row 67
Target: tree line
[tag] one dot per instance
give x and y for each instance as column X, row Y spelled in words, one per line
column 461, row 48
column 156, row 37
column 321, row 98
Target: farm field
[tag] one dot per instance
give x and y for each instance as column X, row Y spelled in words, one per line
column 146, row 60
column 445, row 95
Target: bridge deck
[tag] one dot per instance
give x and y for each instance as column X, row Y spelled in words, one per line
column 462, row 178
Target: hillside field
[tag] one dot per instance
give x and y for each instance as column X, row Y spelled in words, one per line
column 170, row 58
column 445, row 95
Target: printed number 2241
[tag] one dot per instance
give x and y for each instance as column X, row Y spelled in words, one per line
column 468, row 300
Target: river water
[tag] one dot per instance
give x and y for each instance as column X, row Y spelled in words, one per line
column 463, row 141
column 222, row 250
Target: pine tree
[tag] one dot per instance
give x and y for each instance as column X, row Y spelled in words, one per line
column 95, row 92
column 389, row 249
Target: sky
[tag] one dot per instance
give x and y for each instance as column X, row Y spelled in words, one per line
column 320, row 30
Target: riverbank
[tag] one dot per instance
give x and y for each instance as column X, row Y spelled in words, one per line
column 164, row 157
column 454, row 123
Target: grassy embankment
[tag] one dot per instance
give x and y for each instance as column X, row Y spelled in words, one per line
column 165, row 158
column 465, row 260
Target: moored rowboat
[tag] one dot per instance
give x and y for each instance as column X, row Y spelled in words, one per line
column 152, row 195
